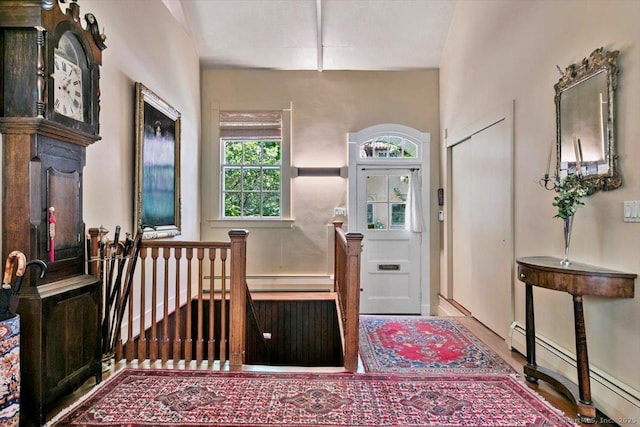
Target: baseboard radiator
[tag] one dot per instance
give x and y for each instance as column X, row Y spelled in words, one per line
column 611, row 396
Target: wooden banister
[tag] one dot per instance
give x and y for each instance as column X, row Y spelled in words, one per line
column 347, row 251
column 170, row 314
column 238, row 296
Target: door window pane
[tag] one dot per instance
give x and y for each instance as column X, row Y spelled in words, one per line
column 377, row 188
column 386, row 202
column 388, row 147
column 398, row 188
column 379, row 216
column 398, row 215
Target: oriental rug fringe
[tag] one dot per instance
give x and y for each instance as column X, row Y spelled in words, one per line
column 425, row 345
column 146, row 397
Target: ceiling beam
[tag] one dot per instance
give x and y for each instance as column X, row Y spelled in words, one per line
column 319, row 33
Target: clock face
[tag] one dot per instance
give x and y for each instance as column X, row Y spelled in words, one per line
column 67, row 91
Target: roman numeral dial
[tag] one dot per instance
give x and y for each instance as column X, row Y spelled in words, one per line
column 67, row 91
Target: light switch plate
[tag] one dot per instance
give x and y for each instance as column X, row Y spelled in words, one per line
column 339, row 211
column 631, row 211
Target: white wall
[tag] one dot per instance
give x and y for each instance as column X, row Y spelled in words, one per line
column 326, row 107
column 145, row 44
column 503, row 50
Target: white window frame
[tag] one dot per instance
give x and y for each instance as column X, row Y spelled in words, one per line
column 285, row 220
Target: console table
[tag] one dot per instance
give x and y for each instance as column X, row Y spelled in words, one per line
column 578, row 280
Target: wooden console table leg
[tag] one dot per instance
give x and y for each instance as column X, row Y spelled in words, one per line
column 577, row 280
column 586, row 410
column 531, row 331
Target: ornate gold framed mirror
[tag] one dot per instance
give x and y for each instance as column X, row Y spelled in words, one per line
column 585, row 121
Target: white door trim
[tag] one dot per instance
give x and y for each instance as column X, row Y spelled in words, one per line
column 423, row 140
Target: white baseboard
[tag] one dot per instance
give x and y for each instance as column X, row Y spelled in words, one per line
column 290, row 283
column 429, row 309
column 445, row 308
column 320, row 283
column 611, row 396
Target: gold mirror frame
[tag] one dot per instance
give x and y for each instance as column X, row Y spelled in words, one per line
column 596, row 174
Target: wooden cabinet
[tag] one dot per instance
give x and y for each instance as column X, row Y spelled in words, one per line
column 42, row 170
column 60, row 345
column 49, row 106
column 60, row 341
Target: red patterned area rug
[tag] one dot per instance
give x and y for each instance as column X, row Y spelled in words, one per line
column 424, row 344
column 136, row 398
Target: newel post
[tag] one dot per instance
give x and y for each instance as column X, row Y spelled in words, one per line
column 337, row 227
column 238, row 297
column 93, row 251
column 354, row 249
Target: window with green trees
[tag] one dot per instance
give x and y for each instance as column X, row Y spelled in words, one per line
column 251, row 175
column 251, row 165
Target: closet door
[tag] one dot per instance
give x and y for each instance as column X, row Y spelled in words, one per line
column 482, row 229
column 462, row 204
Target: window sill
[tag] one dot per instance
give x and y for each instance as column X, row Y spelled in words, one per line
column 250, row 223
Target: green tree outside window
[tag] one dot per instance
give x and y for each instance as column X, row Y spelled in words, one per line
column 252, row 179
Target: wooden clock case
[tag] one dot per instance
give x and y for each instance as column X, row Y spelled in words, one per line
column 43, row 156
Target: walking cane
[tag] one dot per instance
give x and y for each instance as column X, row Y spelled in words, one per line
column 114, row 298
column 16, row 287
column 131, row 266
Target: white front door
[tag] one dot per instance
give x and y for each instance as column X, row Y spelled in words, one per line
column 391, row 256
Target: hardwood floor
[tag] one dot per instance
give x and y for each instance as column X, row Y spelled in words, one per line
column 496, row 343
column 518, row 360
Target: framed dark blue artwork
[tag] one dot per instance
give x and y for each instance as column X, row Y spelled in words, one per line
column 157, row 177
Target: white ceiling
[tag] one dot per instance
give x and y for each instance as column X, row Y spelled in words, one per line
column 316, row 34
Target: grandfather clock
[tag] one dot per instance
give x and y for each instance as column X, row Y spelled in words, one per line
column 49, row 105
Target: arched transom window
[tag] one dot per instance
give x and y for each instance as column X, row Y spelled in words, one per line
column 389, row 146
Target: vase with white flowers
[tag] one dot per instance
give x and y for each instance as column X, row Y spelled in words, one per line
column 570, row 190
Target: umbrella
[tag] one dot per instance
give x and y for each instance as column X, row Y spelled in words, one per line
column 15, row 257
column 9, row 294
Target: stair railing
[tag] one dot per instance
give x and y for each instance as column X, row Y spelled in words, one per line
column 347, row 251
column 165, row 315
